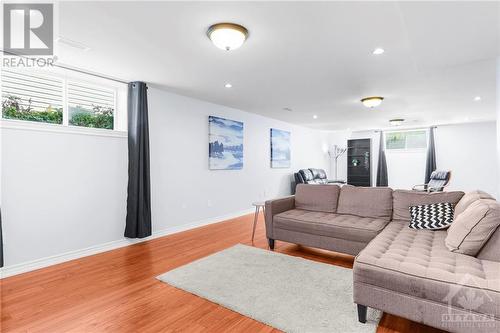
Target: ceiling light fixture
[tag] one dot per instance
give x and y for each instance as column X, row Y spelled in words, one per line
column 228, row 85
column 477, row 98
column 227, row 36
column 396, row 122
column 315, row 117
column 378, row 51
column 371, row 102
column 287, row 109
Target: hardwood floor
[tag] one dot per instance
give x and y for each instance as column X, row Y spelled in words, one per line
column 117, row 291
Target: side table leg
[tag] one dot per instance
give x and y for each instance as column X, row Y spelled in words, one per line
column 256, row 217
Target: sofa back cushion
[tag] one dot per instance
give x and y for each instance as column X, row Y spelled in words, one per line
column 469, row 198
column 404, row 199
column 473, row 228
column 491, row 250
column 319, row 198
column 375, row 202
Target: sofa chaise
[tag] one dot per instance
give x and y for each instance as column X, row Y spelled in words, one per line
column 406, row 272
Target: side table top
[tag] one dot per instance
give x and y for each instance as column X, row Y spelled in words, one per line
column 259, row 203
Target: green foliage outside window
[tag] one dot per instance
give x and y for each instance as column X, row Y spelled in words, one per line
column 13, row 109
column 406, row 140
column 98, row 117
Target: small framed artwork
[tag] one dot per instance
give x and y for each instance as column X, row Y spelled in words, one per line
column 280, row 148
column 225, row 144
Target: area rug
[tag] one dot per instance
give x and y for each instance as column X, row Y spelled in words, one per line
column 288, row 293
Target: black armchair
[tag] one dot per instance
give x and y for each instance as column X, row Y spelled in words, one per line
column 311, row 176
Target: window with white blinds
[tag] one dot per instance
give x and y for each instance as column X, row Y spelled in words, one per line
column 32, row 97
column 51, row 99
column 90, row 106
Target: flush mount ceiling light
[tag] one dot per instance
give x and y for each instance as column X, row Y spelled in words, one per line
column 378, row 51
column 315, row 117
column 227, row 36
column 396, row 122
column 371, row 102
column 228, row 85
column 477, row 98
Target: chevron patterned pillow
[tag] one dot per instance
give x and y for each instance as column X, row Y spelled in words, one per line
column 431, row 217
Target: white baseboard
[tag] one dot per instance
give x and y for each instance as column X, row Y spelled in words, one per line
column 71, row 255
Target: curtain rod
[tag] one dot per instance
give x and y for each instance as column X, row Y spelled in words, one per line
column 74, row 69
column 78, row 70
column 394, row 129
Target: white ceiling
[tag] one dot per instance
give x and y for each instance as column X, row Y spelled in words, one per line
column 315, row 58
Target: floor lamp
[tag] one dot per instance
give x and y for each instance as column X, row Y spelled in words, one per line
column 335, row 154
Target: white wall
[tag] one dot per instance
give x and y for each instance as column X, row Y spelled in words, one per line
column 60, row 192
column 466, row 149
column 469, row 150
column 66, row 192
column 184, row 190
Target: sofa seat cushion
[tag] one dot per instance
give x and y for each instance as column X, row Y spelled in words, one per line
column 349, row 227
column 417, row 263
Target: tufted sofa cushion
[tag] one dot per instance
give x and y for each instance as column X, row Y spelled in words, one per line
column 417, row 263
column 349, row 227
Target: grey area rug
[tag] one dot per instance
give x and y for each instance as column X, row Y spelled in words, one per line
column 285, row 292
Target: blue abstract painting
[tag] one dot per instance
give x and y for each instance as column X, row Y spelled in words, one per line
column 225, row 146
column 280, row 148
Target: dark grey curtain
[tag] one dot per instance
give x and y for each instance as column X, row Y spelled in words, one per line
column 138, row 224
column 382, row 164
column 430, row 164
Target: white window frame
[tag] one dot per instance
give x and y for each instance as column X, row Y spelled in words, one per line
column 119, row 114
column 409, row 150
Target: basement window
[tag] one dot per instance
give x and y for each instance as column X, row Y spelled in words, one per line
column 71, row 102
column 406, row 140
column 31, row 97
column 90, row 106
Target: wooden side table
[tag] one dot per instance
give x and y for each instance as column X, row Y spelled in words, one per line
column 257, row 205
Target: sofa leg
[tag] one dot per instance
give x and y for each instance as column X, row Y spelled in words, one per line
column 271, row 243
column 362, row 313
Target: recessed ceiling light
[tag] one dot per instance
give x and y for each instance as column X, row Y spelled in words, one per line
column 315, row 117
column 371, row 102
column 378, row 51
column 228, row 85
column 477, row 98
column 396, row 122
column 227, row 36
column 288, row 109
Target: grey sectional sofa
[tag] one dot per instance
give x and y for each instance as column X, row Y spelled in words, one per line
column 402, row 271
